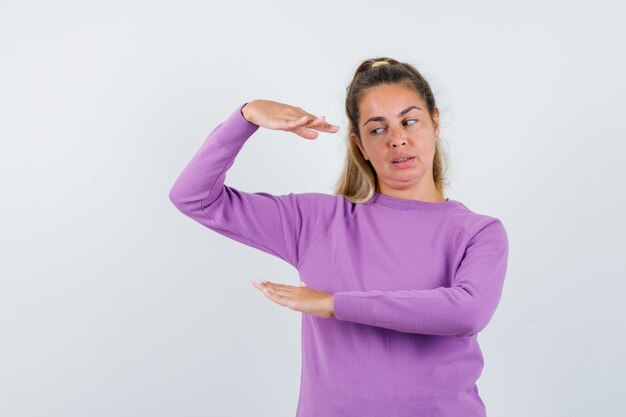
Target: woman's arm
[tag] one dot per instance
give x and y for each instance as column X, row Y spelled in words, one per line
column 281, row 225
column 463, row 309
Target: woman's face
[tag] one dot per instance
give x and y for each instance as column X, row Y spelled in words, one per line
column 394, row 123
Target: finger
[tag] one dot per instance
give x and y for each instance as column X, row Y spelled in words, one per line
column 305, row 132
column 270, row 284
column 300, row 121
column 269, row 294
column 321, row 124
column 309, row 120
column 265, row 287
column 277, row 298
column 316, row 122
column 274, row 284
column 328, row 128
column 258, row 284
column 282, row 288
column 308, row 125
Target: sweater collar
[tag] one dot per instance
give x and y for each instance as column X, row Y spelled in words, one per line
column 408, row 204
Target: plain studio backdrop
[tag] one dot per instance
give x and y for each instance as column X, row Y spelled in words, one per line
column 112, row 303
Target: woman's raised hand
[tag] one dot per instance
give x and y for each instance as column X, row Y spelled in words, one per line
column 278, row 116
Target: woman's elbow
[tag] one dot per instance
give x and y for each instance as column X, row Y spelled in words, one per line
column 182, row 201
column 473, row 320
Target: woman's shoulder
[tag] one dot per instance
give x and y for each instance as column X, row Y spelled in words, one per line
column 472, row 221
column 323, row 203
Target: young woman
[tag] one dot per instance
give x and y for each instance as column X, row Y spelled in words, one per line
column 396, row 279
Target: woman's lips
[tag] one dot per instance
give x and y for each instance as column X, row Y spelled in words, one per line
column 404, row 164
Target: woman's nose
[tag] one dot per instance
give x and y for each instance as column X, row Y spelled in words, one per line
column 396, row 136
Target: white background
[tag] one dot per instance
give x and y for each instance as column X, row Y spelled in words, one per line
column 112, row 303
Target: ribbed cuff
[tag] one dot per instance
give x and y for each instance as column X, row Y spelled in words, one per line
column 353, row 306
column 241, row 113
column 238, row 129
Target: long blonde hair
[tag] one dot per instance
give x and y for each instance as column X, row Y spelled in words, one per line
column 358, row 180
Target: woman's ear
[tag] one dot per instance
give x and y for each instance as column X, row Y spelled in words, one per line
column 356, row 140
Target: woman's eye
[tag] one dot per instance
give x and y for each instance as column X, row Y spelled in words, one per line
column 406, row 121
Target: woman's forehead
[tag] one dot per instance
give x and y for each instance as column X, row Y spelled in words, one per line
column 394, row 105
column 387, row 96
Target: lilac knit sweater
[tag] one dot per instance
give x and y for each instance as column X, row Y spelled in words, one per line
column 413, row 284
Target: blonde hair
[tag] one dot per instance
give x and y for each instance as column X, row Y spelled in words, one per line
column 358, row 180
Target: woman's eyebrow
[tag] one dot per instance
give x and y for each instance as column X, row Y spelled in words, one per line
column 402, row 113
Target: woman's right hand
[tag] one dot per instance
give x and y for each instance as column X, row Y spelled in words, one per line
column 278, row 116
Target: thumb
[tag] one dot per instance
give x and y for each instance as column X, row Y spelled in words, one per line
column 302, row 284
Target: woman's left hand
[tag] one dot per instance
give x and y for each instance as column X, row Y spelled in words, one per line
column 316, row 302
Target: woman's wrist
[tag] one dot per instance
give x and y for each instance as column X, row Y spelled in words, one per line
column 245, row 112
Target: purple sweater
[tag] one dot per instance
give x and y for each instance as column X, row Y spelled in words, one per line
column 413, row 284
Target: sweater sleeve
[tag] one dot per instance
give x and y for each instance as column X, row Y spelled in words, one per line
column 274, row 224
column 463, row 309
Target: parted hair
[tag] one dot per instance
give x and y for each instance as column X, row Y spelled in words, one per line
column 358, row 179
